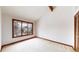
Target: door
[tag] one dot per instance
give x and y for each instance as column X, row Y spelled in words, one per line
column 76, row 38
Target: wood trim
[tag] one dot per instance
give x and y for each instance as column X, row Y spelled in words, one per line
column 75, row 30
column 21, row 28
column 12, row 28
column 35, row 37
column 55, row 41
column 16, row 42
column 77, row 13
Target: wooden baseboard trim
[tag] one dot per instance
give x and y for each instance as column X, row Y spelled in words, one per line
column 36, row 37
column 54, row 41
column 16, row 42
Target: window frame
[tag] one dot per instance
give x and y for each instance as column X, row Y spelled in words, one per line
column 21, row 28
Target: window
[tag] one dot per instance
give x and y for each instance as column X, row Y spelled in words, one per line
column 21, row 28
column 24, row 28
column 17, row 28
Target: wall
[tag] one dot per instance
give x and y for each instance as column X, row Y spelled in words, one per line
column 76, row 9
column 58, row 25
column 7, row 29
column 0, row 28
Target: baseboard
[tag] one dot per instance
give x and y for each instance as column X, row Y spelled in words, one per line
column 55, row 41
column 36, row 37
column 17, row 42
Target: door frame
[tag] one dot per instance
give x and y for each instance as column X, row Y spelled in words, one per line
column 75, row 30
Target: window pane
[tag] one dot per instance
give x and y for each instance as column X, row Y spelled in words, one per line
column 17, row 28
column 24, row 28
column 30, row 29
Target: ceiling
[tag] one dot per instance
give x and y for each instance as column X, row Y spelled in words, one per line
column 27, row 12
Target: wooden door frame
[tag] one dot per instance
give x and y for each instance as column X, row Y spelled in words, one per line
column 75, row 30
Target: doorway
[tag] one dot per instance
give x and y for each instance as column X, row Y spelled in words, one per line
column 76, row 32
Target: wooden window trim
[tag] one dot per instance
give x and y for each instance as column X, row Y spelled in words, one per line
column 21, row 28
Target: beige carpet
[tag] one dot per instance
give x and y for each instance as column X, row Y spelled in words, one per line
column 37, row 45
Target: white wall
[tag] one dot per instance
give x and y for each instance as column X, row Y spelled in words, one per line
column 7, row 29
column 58, row 25
column 0, row 28
column 76, row 9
